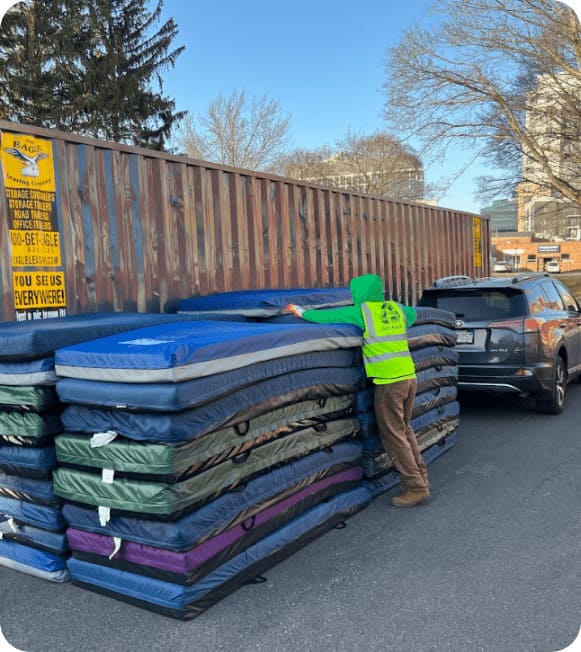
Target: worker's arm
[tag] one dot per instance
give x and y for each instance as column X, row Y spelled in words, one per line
column 343, row 315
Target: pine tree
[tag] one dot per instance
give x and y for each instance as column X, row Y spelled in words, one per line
column 89, row 66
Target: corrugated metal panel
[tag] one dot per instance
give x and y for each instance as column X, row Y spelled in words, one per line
column 141, row 230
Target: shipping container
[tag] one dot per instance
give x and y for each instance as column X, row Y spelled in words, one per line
column 88, row 225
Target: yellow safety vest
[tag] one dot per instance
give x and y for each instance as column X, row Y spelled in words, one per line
column 386, row 354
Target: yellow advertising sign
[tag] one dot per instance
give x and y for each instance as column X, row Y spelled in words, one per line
column 27, row 162
column 35, row 248
column 38, row 290
column 477, row 241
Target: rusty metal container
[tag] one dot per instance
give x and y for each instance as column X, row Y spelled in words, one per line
column 87, row 226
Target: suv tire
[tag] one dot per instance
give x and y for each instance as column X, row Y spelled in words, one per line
column 552, row 402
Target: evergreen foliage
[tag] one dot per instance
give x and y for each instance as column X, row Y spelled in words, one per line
column 91, row 67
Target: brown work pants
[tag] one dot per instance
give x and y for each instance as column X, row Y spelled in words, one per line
column 393, row 405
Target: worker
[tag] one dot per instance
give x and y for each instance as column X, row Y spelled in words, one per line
column 389, row 365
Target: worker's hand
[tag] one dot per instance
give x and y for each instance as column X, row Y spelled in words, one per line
column 296, row 310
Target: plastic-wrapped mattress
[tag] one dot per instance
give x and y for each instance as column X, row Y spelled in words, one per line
column 172, row 463
column 20, row 341
column 187, row 394
column 186, row 567
column 186, row 602
column 181, row 351
column 171, row 500
column 266, row 303
column 434, row 316
column 236, row 407
column 227, row 511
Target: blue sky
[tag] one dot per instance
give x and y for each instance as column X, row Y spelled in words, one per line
column 323, row 61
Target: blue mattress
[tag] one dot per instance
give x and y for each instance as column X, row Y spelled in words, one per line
column 266, row 303
column 29, row 372
column 55, row 542
column 187, row 394
column 32, row 561
column 182, row 351
column 20, row 341
column 244, row 404
column 432, row 356
column 26, row 488
column 189, row 601
column 436, row 316
column 436, row 377
column 224, row 512
column 45, row 517
column 430, row 335
column 27, row 460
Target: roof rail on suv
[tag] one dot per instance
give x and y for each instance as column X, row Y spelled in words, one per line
column 525, row 276
column 452, row 281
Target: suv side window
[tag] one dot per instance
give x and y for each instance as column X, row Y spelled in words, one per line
column 553, row 300
column 568, row 298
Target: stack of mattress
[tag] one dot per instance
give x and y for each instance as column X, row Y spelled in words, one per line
column 32, row 527
column 436, row 409
column 196, row 455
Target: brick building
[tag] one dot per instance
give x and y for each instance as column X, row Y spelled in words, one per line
column 530, row 253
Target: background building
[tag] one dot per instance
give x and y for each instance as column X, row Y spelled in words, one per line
column 503, row 215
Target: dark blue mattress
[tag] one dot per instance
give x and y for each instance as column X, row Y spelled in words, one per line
column 430, row 335
column 266, row 303
column 224, row 512
column 244, row 404
column 189, row 601
column 439, row 376
column 32, row 561
column 38, row 339
column 46, row 517
column 34, row 537
column 26, row 460
column 182, row 351
column 434, row 316
column 432, row 356
column 29, row 372
column 26, row 488
column 190, row 393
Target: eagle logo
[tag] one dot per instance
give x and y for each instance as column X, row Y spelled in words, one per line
column 30, row 167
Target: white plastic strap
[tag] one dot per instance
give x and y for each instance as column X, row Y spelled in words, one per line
column 102, row 438
column 104, row 515
column 117, row 546
column 13, row 525
column 107, row 476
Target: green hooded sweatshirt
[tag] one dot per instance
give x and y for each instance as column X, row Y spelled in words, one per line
column 363, row 288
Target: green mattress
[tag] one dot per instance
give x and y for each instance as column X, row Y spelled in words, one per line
column 29, row 424
column 171, row 500
column 176, row 462
column 39, row 398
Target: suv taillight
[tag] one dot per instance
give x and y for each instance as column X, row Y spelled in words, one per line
column 517, row 325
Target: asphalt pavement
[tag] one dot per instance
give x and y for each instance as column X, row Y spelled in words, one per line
column 492, row 563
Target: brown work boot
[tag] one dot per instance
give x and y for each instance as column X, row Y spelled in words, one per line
column 410, row 497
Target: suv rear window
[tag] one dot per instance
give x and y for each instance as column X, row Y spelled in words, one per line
column 477, row 305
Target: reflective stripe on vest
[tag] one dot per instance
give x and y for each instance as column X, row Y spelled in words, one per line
column 385, row 347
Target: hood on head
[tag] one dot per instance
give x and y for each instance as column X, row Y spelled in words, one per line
column 368, row 287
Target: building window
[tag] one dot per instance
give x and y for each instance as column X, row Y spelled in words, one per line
column 531, row 258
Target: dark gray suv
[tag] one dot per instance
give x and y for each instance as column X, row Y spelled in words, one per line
column 514, row 334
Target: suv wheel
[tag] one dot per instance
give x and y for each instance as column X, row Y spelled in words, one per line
column 552, row 402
